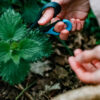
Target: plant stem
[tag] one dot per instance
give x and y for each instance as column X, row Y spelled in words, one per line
column 23, row 90
column 65, row 45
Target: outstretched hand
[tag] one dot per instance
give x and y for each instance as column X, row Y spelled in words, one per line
column 74, row 10
column 86, row 65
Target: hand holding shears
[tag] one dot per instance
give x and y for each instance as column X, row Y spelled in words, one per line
column 50, row 28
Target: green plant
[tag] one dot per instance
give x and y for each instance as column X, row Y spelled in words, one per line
column 18, row 45
column 91, row 26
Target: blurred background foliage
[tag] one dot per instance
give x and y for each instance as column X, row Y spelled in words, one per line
column 27, row 8
column 91, row 26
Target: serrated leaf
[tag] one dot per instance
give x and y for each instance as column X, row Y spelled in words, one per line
column 16, row 59
column 35, row 48
column 30, row 10
column 4, row 52
column 27, row 48
column 11, row 26
column 12, row 73
column 44, row 46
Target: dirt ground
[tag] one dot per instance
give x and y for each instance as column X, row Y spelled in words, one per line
column 56, row 78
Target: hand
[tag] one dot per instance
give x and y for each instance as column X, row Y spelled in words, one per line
column 74, row 10
column 86, row 65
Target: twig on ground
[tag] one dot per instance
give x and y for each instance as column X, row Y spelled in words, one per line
column 23, row 91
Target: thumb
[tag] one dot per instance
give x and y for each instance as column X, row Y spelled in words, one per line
column 47, row 16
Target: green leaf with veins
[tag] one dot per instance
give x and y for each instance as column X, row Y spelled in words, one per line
column 11, row 26
column 27, row 48
column 18, row 46
column 43, row 47
column 16, row 58
column 5, row 54
column 12, row 73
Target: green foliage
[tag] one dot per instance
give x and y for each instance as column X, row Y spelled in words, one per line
column 92, row 27
column 43, row 1
column 11, row 26
column 91, row 24
column 40, row 39
column 13, row 73
column 4, row 52
column 19, row 47
column 29, row 9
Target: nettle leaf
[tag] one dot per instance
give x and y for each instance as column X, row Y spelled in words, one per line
column 12, row 73
column 16, row 59
column 27, row 48
column 4, row 52
column 11, row 26
column 18, row 46
column 30, row 10
column 35, row 48
column 43, row 47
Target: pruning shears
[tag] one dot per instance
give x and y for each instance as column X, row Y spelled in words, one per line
column 49, row 29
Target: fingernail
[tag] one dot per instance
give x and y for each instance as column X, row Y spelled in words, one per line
column 41, row 20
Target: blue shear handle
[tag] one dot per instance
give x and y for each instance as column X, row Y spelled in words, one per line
column 69, row 27
column 68, row 23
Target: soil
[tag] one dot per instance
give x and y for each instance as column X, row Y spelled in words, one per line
column 59, row 73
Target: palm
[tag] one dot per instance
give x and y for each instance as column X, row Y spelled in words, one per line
column 77, row 9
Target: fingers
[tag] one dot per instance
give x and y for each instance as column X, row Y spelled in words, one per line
column 87, row 66
column 59, row 26
column 73, row 21
column 77, row 24
column 93, row 77
column 89, row 55
column 77, row 68
column 86, row 56
column 86, row 77
column 47, row 16
column 96, row 63
column 84, row 70
column 55, row 19
column 64, row 34
column 75, row 65
column 77, row 52
column 82, row 24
